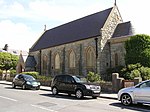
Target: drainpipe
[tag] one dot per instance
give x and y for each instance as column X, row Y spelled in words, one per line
column 96, row 52
column 40, row 62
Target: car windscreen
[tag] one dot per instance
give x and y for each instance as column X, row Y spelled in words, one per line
column 79, row 79
column 29, row 78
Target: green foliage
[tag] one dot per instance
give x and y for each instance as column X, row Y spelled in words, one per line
column 8, row 61
column 1, row 71
column 135, row 70
column 34, row 74
column 135, row 73
column 92, row 77
column 130, row 71
column 138, row 50
column 37, row 76
column 13, row 72
column 145, row 73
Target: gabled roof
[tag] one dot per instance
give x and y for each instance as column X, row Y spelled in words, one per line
column 123, row 29
column 30, row 62
column 79, row 29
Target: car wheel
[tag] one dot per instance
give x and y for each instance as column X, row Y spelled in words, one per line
column 38, row 88
column 79, row 94
column 54, row 91
column 126, row 99
column 24, row 87
column 13, row 85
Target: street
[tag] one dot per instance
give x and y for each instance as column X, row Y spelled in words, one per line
column 18, row 100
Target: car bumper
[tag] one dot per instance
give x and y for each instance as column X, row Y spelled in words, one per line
column 33, row 86
column 91, row 93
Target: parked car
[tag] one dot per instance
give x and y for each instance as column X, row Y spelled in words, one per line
column 136, row 94
column 74, row 85
column 26, row 82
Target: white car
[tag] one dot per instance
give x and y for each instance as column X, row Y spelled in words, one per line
column 136, row 94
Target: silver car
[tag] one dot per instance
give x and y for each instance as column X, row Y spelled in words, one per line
column 136, row 94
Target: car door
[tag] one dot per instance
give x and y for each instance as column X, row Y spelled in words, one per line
column 20, row 80
column 142, row 92
column 61, row 83
column 70, row 84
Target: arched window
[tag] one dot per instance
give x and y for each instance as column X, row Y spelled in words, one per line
column 72, row 60
column 90, row 57
column 44, row 63
column 57, row 61
column 116, row 59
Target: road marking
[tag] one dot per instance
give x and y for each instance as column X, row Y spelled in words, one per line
column 8, row 98
column 37, row 106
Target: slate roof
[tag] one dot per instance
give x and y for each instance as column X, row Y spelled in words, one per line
column 30, row 62
column 123, row 29
column 79, row 29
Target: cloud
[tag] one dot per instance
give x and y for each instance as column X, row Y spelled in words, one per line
column 16, row 35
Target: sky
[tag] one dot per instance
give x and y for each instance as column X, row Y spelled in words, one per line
column 22, row 21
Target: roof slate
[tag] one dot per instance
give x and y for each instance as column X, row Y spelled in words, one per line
column 79, row 29
column 123, row 29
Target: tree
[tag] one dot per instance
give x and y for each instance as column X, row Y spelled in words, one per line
column 8, row 61
column 138, row 50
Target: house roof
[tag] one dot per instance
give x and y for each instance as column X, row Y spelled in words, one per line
column 79, row 29
column 30, row 62
column 123, row 29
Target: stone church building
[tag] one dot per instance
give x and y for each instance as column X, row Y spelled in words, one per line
column 92, row 43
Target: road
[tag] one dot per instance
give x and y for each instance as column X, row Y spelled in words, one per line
column 18, row 100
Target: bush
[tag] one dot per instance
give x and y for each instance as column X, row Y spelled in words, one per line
column 44, row 78
column 34, row 74
column 37, row 76
column 92, row 77
column 138, row 50
column 145, row 73
column 135, row 73
column 130, row 71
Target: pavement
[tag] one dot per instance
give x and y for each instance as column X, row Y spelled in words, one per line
column 46, row 88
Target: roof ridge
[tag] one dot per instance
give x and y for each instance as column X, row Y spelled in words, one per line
column 79, row 19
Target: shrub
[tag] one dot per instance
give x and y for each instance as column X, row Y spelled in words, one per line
column 135, row 73
column 43, row 78
column 138, row 50
column 92, row 77
column 130, row 71
column 34, row 74
column 37, row 76
column 145, row 73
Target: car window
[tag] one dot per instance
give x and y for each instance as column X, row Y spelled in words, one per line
column 60, row 78
column 28, row 78
column 20, row 77
column 69, row 79
column 79, row 79
column 145, row 84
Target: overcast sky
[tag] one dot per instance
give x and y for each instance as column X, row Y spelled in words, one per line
column 22, row 21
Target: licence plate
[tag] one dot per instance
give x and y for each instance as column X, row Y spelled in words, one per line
column 35, row 85
column 96, row 91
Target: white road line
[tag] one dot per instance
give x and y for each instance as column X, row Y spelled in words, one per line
column 8, row 98
column 37, row 106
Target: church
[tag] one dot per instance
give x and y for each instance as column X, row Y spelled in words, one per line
column 92, row 43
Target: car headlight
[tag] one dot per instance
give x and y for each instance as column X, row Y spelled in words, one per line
column 88, row 86
column 29, row 83
column 38, row 83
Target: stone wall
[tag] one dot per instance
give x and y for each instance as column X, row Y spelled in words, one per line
column 79, row 47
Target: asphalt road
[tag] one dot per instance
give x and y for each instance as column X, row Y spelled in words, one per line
column 18, row 100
